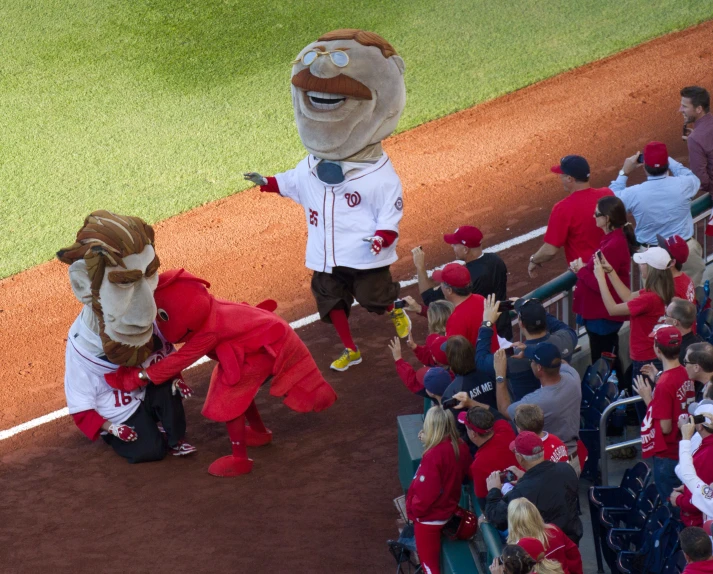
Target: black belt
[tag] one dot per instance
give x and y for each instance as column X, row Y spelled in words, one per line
column 647, row 245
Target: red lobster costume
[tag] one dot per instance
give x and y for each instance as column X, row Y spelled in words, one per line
column 251, row 345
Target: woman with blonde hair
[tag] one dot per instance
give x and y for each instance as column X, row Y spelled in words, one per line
column 435, row 490
column 525, row 522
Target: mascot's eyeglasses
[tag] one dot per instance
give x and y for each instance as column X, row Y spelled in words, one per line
column 339, row 57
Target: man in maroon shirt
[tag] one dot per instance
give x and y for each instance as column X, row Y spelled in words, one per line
column 493, row 438
column 695, row 107
column 675, row 391
column 571, row 225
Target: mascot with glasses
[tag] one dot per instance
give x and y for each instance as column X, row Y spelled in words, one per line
column 348, row 93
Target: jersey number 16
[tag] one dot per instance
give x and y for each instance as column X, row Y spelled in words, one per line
column 121, row 398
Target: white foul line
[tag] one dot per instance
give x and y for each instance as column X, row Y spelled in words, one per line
column 44, row 419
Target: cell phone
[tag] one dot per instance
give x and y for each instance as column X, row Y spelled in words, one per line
column 499, row 560
column 640, row 159
column 509, row 351
column 400, row 304
column 506, row 305
column 450, row 403
column 600, row 256
column 507, row 476
column 698, row 419
column 686, row 130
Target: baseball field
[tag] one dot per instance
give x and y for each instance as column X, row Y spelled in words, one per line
column 153, row 111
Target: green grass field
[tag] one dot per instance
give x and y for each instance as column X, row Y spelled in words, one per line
column 153, row 107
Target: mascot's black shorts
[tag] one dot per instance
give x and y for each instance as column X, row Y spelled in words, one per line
column 374, row 289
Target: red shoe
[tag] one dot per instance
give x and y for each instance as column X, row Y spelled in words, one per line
column 255, row 438
column 183, row 448
column 230, row 466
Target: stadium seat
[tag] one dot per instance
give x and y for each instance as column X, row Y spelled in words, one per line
column 634, row 541
column 654, row 557
column 704, row 324
column 675, row 564
column 701, row 299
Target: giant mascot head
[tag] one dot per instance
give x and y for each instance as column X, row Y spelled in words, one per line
column 348, row 93
column 114, row 268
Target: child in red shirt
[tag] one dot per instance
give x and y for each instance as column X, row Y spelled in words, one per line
column 674, row 392
column 532, row 418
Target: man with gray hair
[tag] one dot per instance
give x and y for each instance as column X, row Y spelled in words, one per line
column 551, row 486
column 682, row 315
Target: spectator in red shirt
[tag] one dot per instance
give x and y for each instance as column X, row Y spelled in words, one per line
column 532, row 418
column 675, row 391
column 527, row 529
column 677, row 248
column 617, row 246
column 414, row 380
column 698, row 550
column 435, row 490
column 645, row 307
column 571, row 225
column 468, row 313
column 702, row 463
column 493, row 438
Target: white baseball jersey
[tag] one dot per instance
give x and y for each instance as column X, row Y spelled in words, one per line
column 84, row 384
column 701, row 491
column 340, row 216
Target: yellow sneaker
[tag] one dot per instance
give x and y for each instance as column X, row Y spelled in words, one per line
column 348, row 358
column 401, row 321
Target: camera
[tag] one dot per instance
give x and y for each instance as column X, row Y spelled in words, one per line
column 509, row 351
column 699, row 419
column 507, row 476
column 506, row 305
column 450, row 403
column 640, row 159
column 400, row 304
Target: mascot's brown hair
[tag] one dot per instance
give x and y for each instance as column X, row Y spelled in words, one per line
column 104, row 240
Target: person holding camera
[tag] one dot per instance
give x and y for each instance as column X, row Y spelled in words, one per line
column 536, row 326
column 551, row 486
column 702, row 463
column 435, row 490
column 493, row 438
column 617, row 246
column 662, row 204
column 488, row 273
column 659, row 428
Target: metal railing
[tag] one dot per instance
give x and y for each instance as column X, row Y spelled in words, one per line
column 604, row 448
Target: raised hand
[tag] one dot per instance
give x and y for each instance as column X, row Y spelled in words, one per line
column 255, row 177
column 395, row 347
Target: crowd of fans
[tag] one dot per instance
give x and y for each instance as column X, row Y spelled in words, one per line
column 506, row 414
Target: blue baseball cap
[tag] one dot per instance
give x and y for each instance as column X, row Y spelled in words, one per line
column 436, row 381
column 573, row 165
column 544, row 354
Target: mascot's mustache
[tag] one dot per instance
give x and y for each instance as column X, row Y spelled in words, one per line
column 341, row 85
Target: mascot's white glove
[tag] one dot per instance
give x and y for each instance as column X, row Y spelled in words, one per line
column 377, row 243
column 123, row 432
column 179, row 386
column 255, row 177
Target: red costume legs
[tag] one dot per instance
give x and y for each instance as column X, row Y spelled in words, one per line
column 238, row 463
column 257, row 433
column 341, row 324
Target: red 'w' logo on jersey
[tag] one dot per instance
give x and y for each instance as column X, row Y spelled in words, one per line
column 353, row 199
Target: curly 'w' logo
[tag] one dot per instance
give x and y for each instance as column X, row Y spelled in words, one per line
column 353, row 199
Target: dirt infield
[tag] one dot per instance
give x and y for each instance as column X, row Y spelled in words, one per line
column 319, row 499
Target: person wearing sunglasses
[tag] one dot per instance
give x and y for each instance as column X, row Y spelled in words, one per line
column 348, row 93
column 617, row 246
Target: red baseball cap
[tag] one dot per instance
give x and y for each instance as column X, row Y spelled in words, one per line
column 527, row 443
column 454, row 274
column 465, row 235
column 435, row 347
column 668, row 336
column 676, row 246
column 655, row 154
column 533, row 547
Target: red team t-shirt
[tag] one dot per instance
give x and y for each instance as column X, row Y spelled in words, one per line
column 645, row 311
column 673, row 393
column 555, row 450
column 683, row 288
column 493, row 455
column 466, row 320
column 572, row 225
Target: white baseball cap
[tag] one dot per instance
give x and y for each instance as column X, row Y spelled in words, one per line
column 657, row 257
